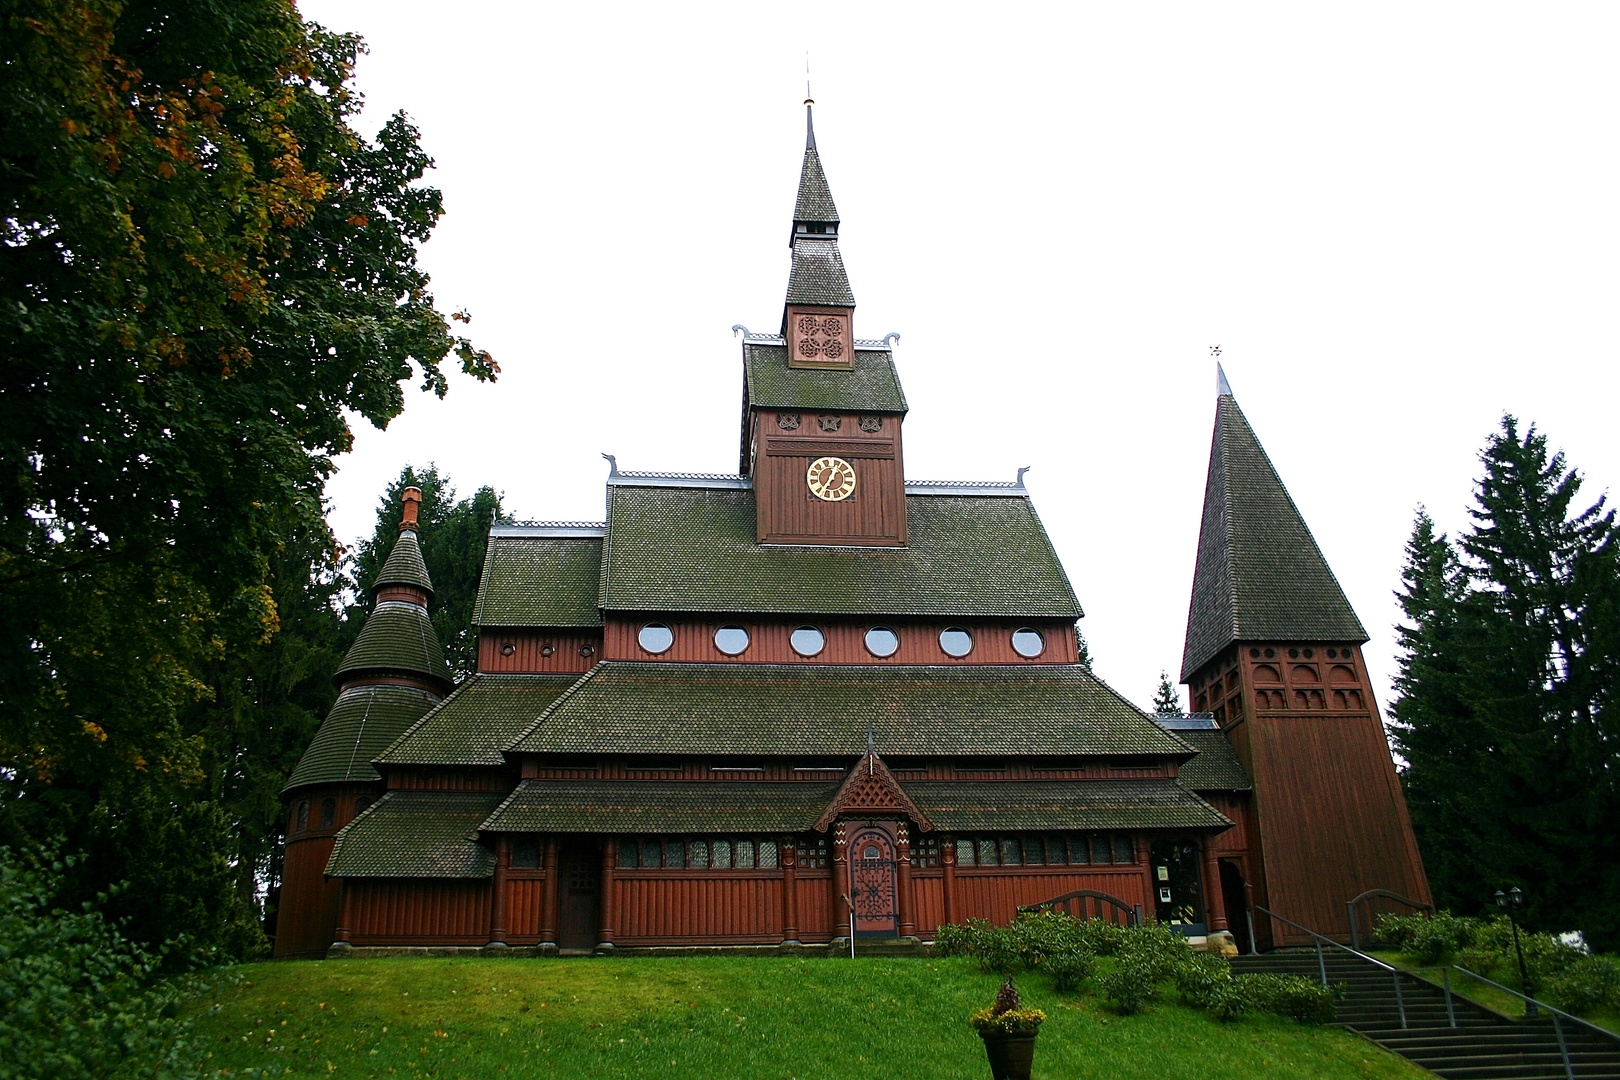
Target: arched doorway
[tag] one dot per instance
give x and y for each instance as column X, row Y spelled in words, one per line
column 1235, row 896
column 872, row 882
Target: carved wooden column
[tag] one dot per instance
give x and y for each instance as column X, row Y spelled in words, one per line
column 345, row 922
column 838, row 882
column 1214, row 898
column 610, row 856
column 790, row 895
column 497, row 891
column 548, row 897
column 947, row 858
column 905, row 902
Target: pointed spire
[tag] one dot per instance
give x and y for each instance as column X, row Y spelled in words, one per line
column 818, row 278
column 1222, row 387
column 1260, row 575
column 405, row 565
column 809, row 123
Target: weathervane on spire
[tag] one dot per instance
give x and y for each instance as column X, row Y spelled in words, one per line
column 809, row 119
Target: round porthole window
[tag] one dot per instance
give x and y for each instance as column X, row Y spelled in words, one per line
column 731, row 640
column 881, row 641
column 1028, row 642
column 655, row 637
column 956, row 641
column 808, row 641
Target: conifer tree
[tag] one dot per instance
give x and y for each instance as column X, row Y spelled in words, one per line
column 1507, row 681
column 1167, row 699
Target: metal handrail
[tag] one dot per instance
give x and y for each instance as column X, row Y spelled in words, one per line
column 1350, row 909
column 1321, row 958
column 1558, row 1016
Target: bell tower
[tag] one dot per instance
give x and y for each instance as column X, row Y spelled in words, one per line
column 1273, row 650
column 821, row 410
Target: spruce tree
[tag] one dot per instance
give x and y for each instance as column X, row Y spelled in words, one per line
column 1167, row 699
column 1507, row 681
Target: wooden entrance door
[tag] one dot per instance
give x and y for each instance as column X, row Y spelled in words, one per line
column 579, row 899
column 872, row 886
column 1235, row 893
column 1179, row 899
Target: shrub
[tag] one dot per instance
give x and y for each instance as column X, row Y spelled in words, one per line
column 1592, row 982
column 1429, row 939
column 1129, row 983
column 1068, row 969
column 1202, row 979
column 1306, row 1000
column 80, row 1001
column 1492, row 954
column 1145, row 957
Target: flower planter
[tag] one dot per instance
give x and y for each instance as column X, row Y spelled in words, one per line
column 1011, row 1055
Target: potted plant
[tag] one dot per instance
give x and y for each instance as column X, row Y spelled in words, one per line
column 1009, row 1034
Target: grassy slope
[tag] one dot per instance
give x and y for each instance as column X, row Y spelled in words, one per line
column 773, row 1017
column 1489, row 996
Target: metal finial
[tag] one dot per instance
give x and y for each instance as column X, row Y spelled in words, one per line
column 809, row 102
column 1222, row 387
column 613, row 464
column 1021, row 472
column 738, row 326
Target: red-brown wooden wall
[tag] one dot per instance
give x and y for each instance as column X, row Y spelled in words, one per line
column 845, row 641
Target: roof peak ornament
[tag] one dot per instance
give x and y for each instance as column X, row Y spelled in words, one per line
column 613, row 464
column 1222, row 387
column 809, row 102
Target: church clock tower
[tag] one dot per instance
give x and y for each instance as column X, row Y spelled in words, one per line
column 821, row 410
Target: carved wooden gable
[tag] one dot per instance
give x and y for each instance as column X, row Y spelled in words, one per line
column 871, row 788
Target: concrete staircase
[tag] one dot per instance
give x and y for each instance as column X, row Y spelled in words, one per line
column 1482, row 1045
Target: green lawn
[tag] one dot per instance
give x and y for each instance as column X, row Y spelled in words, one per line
column 1490, row 996
column 755, row 1017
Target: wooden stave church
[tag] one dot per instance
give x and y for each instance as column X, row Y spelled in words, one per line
column 592, row 788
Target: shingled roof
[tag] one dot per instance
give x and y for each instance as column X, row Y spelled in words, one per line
column 1260, row 575
column 873, row 386
column 694, row 549
column 398, row 636
column 630, row 806
column 818, row 275
column 532, row 579
column 625, row 707
column 815, row 202
column 404, row 565
column 1047, row 804
column 430, row 834
column 473, row 725
column 1217, row 767
column 363, row 721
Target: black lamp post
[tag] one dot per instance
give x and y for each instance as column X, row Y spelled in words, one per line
column 1509, row 901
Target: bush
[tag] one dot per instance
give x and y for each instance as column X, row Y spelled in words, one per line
column 1202, row 979
column 1146, row 957
column 1592, row 982
column 1068, row 969
column 1492, row 955
column 1306, row 1000
column 78, row 1000
column 1429, row 939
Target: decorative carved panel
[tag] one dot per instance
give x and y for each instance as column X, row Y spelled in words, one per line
column 820, row 337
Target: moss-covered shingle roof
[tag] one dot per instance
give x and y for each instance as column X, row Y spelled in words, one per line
column 818, row 275
column 397, row 637
column 1216, row 768
column 1260, row 575
column 623, row 707
column 873, row 385
column 538, row 580
column 1050, row 804
column 815, row 201
column 417, row 834
column 363, row 721
column 404, row 565
column 694, row 549
column 625, row 806
column 476, row 722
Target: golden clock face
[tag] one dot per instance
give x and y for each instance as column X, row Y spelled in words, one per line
column 831, row 479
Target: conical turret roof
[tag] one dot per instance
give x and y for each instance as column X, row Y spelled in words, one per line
column 1260, row 575
column 398, row 638
column 818, row 275
column 404, row 565
column 815, row 204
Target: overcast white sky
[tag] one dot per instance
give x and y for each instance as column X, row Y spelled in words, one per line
column 1397, row 220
